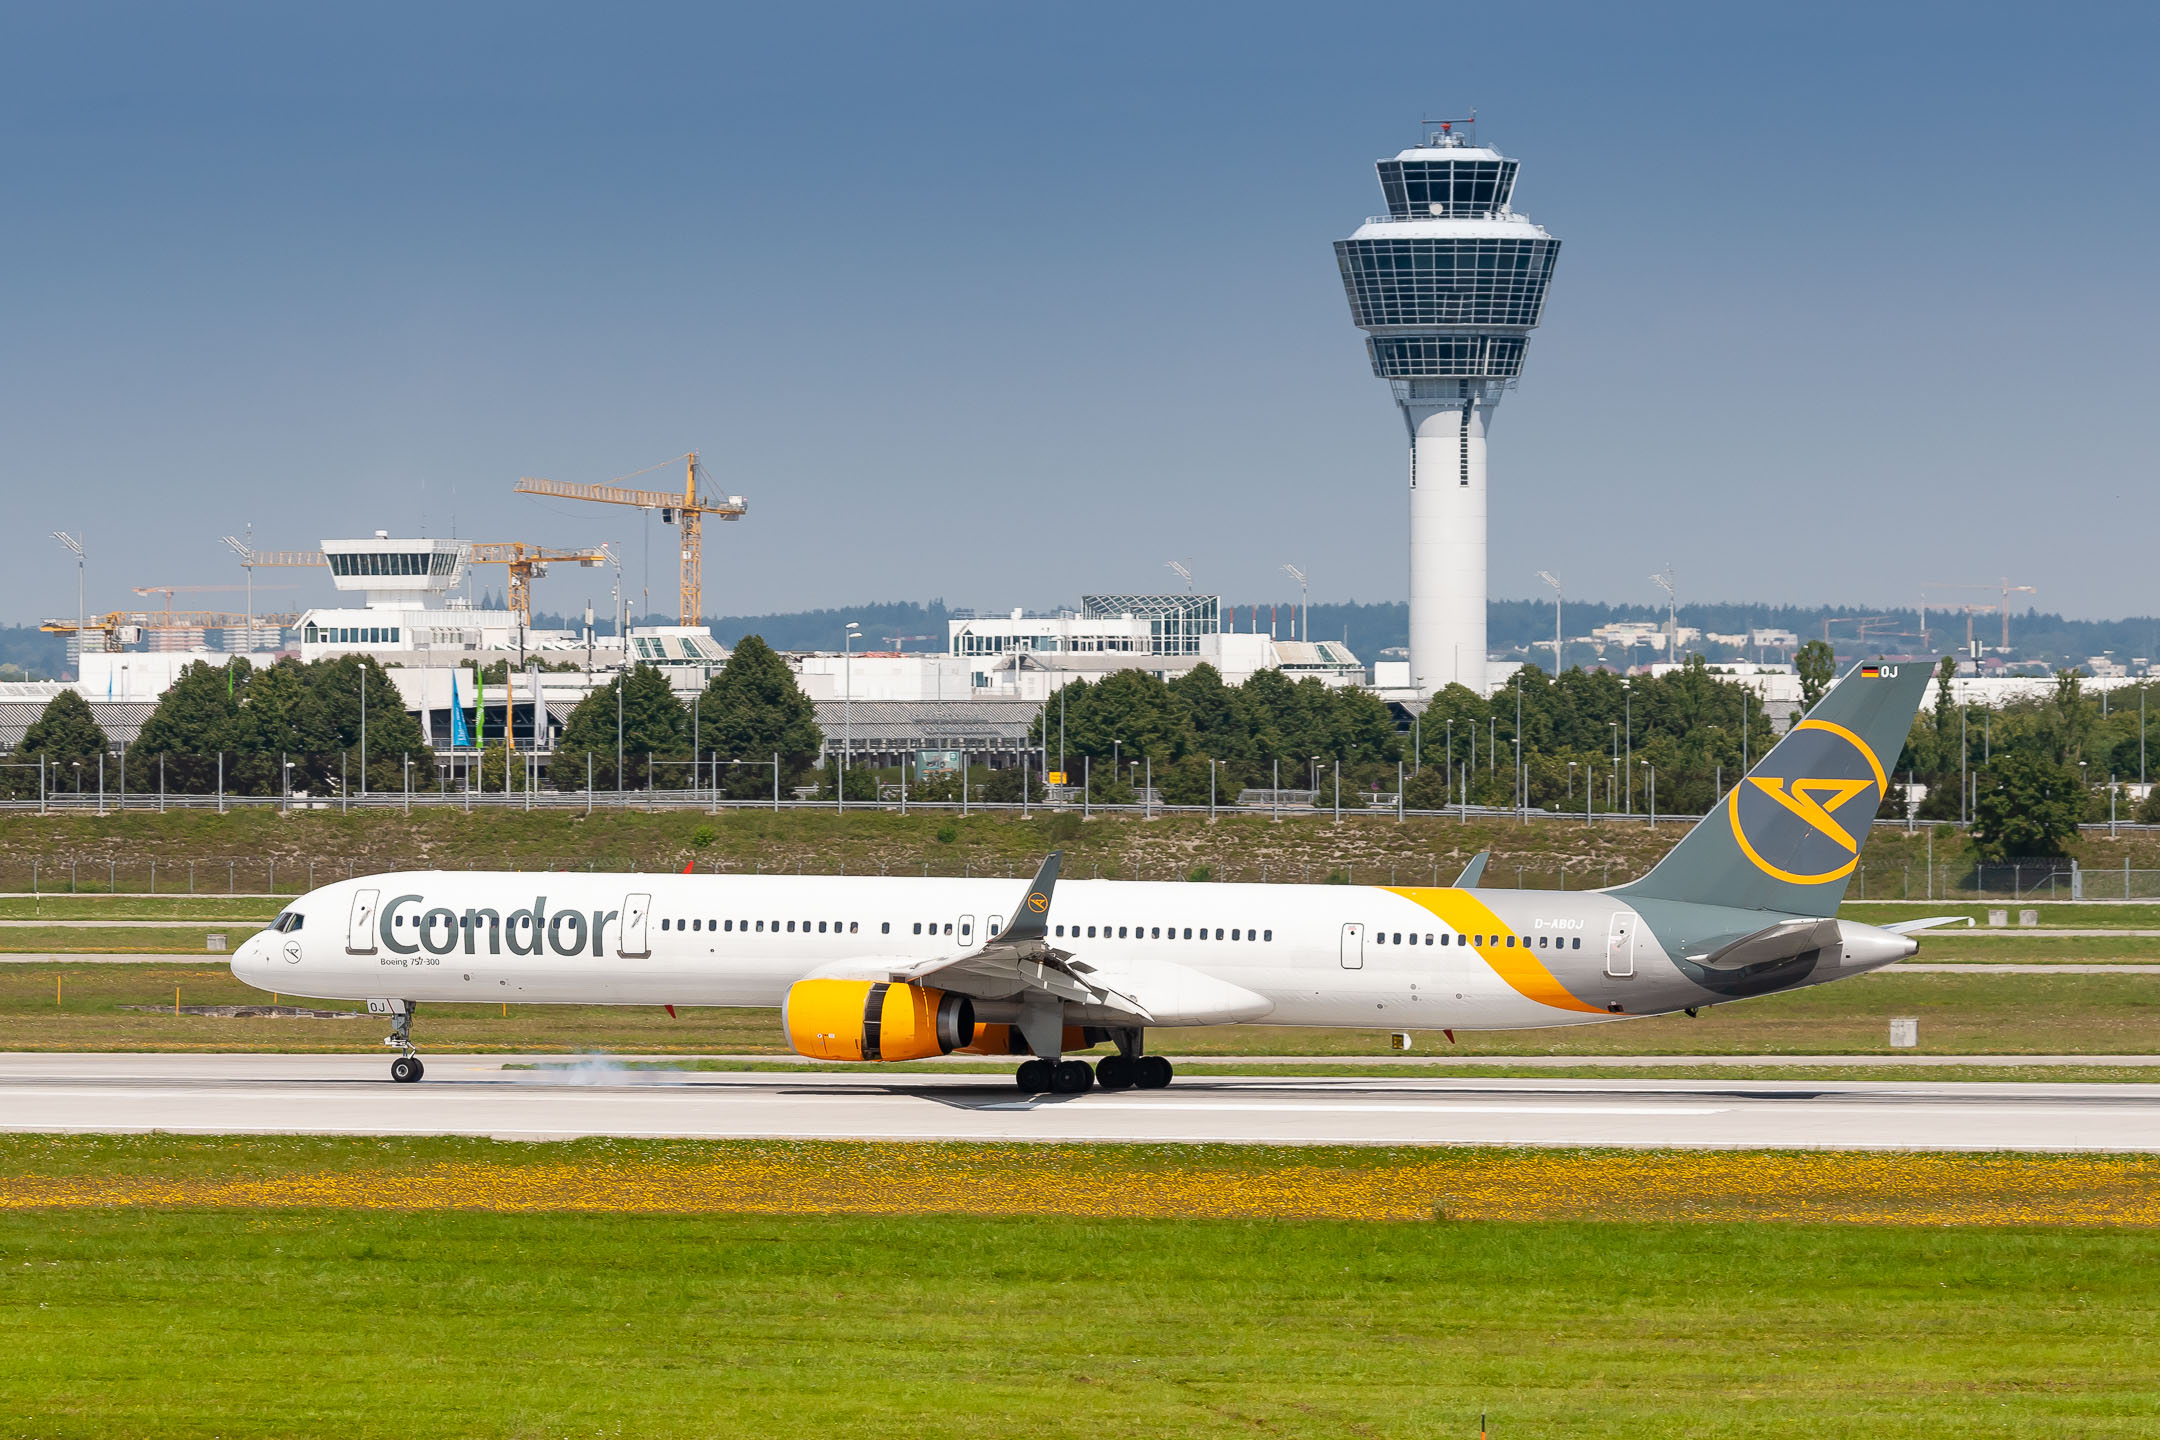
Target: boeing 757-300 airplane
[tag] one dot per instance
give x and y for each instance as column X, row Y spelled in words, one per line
column 874, row 969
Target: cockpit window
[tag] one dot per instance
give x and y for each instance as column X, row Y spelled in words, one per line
column 289, row 921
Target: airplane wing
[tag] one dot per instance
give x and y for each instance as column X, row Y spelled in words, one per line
column 1020, row 962
column 1020, row 959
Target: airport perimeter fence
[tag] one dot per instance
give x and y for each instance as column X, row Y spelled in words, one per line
column 254, row 876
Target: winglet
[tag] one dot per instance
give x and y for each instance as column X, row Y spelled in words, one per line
column 1030, row 920
column 1473, row 872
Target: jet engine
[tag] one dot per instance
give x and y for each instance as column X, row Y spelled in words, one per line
column 873, row 1020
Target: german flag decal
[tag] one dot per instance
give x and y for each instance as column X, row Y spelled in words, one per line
column 1871, row 672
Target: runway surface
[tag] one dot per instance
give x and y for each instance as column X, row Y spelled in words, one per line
column 473, row 1095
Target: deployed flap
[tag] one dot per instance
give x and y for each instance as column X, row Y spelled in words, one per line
column 1473, row 872
column 1781, row 941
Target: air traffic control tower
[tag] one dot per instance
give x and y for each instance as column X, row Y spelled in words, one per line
column 1447, row 287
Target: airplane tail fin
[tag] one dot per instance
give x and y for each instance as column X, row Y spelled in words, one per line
column 1788, row 836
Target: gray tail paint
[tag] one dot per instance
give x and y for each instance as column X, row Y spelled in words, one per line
column 1788, row 836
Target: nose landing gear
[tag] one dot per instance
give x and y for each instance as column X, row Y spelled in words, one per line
column 406, row 1069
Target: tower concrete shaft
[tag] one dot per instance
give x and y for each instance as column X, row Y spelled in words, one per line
column 1447, row 421
column 1447, row 286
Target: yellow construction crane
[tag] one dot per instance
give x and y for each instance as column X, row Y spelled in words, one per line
column 687, row 509
column 122, row 627
column 527, row 563
column 2001, row 587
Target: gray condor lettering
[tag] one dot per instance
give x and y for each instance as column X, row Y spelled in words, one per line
column 386, row 924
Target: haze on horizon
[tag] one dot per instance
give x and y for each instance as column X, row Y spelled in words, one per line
column 1003, row 306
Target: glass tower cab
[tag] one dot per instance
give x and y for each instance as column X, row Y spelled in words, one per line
column 1447, row 286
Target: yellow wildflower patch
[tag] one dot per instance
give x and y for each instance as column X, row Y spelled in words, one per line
column 1116, row 1182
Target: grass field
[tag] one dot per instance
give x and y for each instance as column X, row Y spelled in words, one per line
column 84, row 1007
column 597, row 1311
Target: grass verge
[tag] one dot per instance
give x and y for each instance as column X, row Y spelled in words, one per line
column 313, row 1322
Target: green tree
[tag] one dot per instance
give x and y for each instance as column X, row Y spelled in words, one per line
column 1427, row 789
column 1184, row 781
column 1817, row 664
column 652, row 724
column 193, row 723
column 1003, row 785
column 2029, row 805
column 862, row 781
column 752, row 709
column 64, row 733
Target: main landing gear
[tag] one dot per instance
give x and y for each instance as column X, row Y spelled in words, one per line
column 406, row 1069
column 1126, row 1070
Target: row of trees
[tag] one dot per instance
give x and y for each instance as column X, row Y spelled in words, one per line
column 2024, row 774
column 1690, row 725
column 245, row 724
column 751, row 710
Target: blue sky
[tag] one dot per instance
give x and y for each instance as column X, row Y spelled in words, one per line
column 1004, row 303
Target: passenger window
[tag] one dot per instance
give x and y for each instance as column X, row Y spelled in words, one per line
column 918, row 927
column 948, row 927
column 820, row 926
column 1541, row 942
column 1121, row 932
column 853, row 926
column 1578, row 943
column 1188, row 932
column 1158, row 932
column 1091, row 932
column 791, row 927
column 1270, row 935
column 966, row 930
column 1234, row 935
column 1511, row 942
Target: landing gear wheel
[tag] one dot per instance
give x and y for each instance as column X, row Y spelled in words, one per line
column 1033, row 1076
column 1152, row 1072
column 1071, row 1077
column 1114, row 1072
column 407, row 1069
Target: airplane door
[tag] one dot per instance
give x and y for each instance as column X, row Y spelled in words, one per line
column 631, row 942
column 1353, row 947
column 360, row 929
column 1620, row 946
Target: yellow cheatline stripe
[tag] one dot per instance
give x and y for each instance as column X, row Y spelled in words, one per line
column 1465, row 914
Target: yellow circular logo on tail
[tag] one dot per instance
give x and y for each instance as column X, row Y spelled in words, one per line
column 1037, row 901
column 1801, row 817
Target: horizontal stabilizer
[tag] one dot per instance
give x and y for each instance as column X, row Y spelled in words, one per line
column 1933, row 922
column 1781, row 941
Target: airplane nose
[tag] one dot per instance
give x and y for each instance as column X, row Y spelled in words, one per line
column 247, row 961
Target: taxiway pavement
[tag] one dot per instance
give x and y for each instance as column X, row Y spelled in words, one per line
column 475, row 1095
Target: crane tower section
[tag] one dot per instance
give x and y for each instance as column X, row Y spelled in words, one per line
column 1447, row 286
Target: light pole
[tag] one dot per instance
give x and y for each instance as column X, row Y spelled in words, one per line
column 847, row 709
column 1627, row 705
column 1304, row 603
column 74, row 544
column 1615, row 724
column 1548, row 577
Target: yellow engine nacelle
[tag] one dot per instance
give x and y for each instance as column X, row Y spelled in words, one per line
column 873, row 1020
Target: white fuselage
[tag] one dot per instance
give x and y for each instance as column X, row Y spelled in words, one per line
column 1364, row 956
